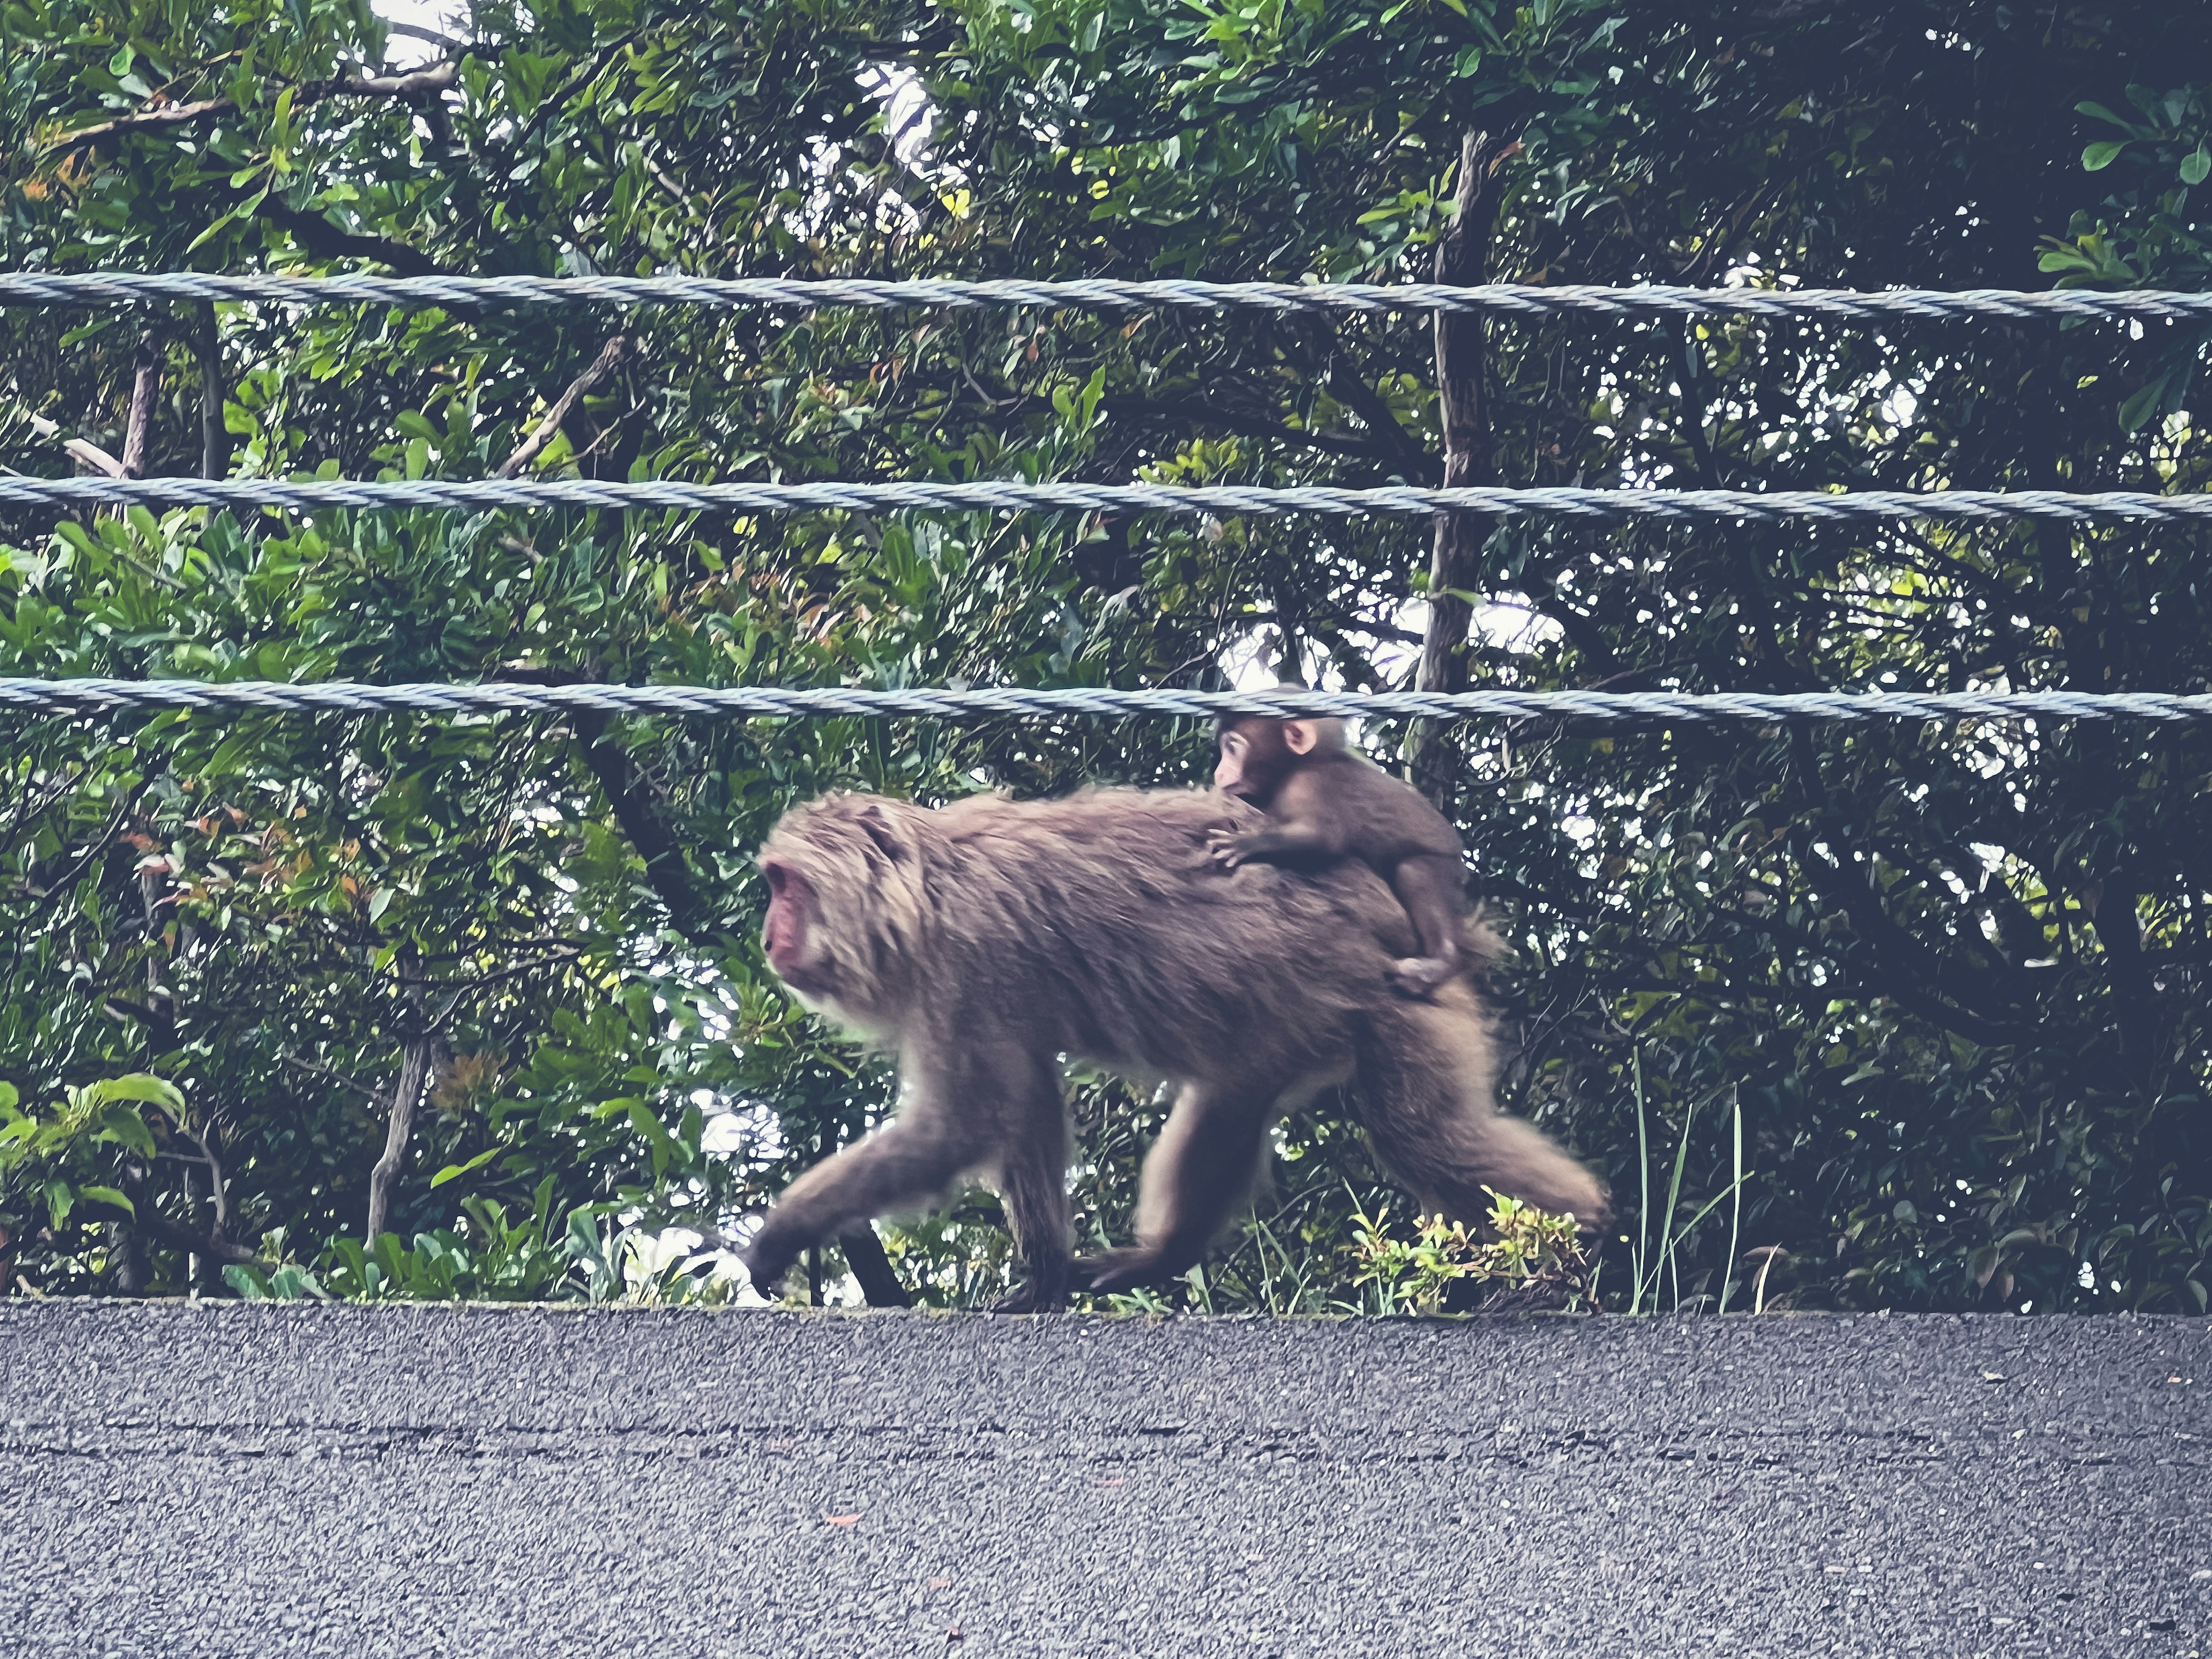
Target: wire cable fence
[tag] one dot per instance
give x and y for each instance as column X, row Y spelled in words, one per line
column 1510, row 300
column 974, row 704
column 1000, row 495
column 1611, row 506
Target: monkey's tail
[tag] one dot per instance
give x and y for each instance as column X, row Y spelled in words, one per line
column 1426, row 1088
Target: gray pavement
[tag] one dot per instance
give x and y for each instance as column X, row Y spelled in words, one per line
column 229, row 1480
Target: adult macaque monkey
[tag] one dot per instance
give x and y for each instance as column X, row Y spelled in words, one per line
column 979, row 943
column 1325, row 804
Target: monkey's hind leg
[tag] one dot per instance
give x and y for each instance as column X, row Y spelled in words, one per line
column 1431, row 888
column 1200, row 1166
column 1032, row 1184
column 1426, row 1090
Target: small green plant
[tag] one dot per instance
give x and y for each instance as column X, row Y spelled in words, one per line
column 1649, row 1266
column 1518, row 1248
column 499, row 1258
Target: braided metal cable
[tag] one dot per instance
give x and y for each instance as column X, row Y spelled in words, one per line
column 1608, row 506
column 1493, row 300
column 1642, row 708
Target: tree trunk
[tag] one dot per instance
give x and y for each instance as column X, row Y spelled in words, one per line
column 207, row 346
column 406, row 1095
column 144, row 390
column 1462, row 258
column 417, row 1059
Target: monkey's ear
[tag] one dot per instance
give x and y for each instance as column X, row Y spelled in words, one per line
column 1299, row 737
column 879, row 828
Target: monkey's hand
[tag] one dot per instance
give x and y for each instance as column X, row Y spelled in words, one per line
column 1419, row 977
column 1227, row 848
column 765, row 1263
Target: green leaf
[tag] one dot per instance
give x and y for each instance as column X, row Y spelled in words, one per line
column 2197, row 166
column 139, row 1086
column 455, row 1171
column 2100, row 155
column 105, row 1195
column 2137, row 411
column 245, row 1281
column 121, row 1124
column 293, row 1283
column 657, row 1142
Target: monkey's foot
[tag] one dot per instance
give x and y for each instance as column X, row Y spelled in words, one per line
column 1420, row 975
column 1119, row 1270
column 1030, row 1299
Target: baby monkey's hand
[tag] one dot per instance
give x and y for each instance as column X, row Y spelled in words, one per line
column 1226, row 848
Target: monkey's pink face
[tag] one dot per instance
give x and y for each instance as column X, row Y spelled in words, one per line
column 788, row 935
column 1229, row 770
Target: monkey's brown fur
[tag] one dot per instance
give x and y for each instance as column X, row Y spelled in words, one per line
column 978, row 943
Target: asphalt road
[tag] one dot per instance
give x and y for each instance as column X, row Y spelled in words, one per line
column 230, row 1480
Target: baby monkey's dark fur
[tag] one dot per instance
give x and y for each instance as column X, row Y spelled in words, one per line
column 981, row 942
column 1325, row 804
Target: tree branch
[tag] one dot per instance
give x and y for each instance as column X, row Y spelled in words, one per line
column 1193, row 412
column 92, row 457
column 153, row 1223
column 320, row 237
column 1324, row 349
column 416, row 32
column 413, row 1082
column 417, row 84
column 630, row 797
column 610, row 359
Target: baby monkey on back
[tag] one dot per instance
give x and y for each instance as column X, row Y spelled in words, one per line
column 1325, row 804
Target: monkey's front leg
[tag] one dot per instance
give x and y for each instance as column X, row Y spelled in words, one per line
column 1291, row 843
column 907, row 1161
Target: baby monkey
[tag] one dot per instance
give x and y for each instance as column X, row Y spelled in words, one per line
column 1329, row 804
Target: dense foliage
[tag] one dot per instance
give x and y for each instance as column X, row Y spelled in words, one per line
column 1876, row 1015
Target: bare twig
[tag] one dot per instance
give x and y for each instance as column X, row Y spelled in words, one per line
column 91, row 457
column 374, row 1096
